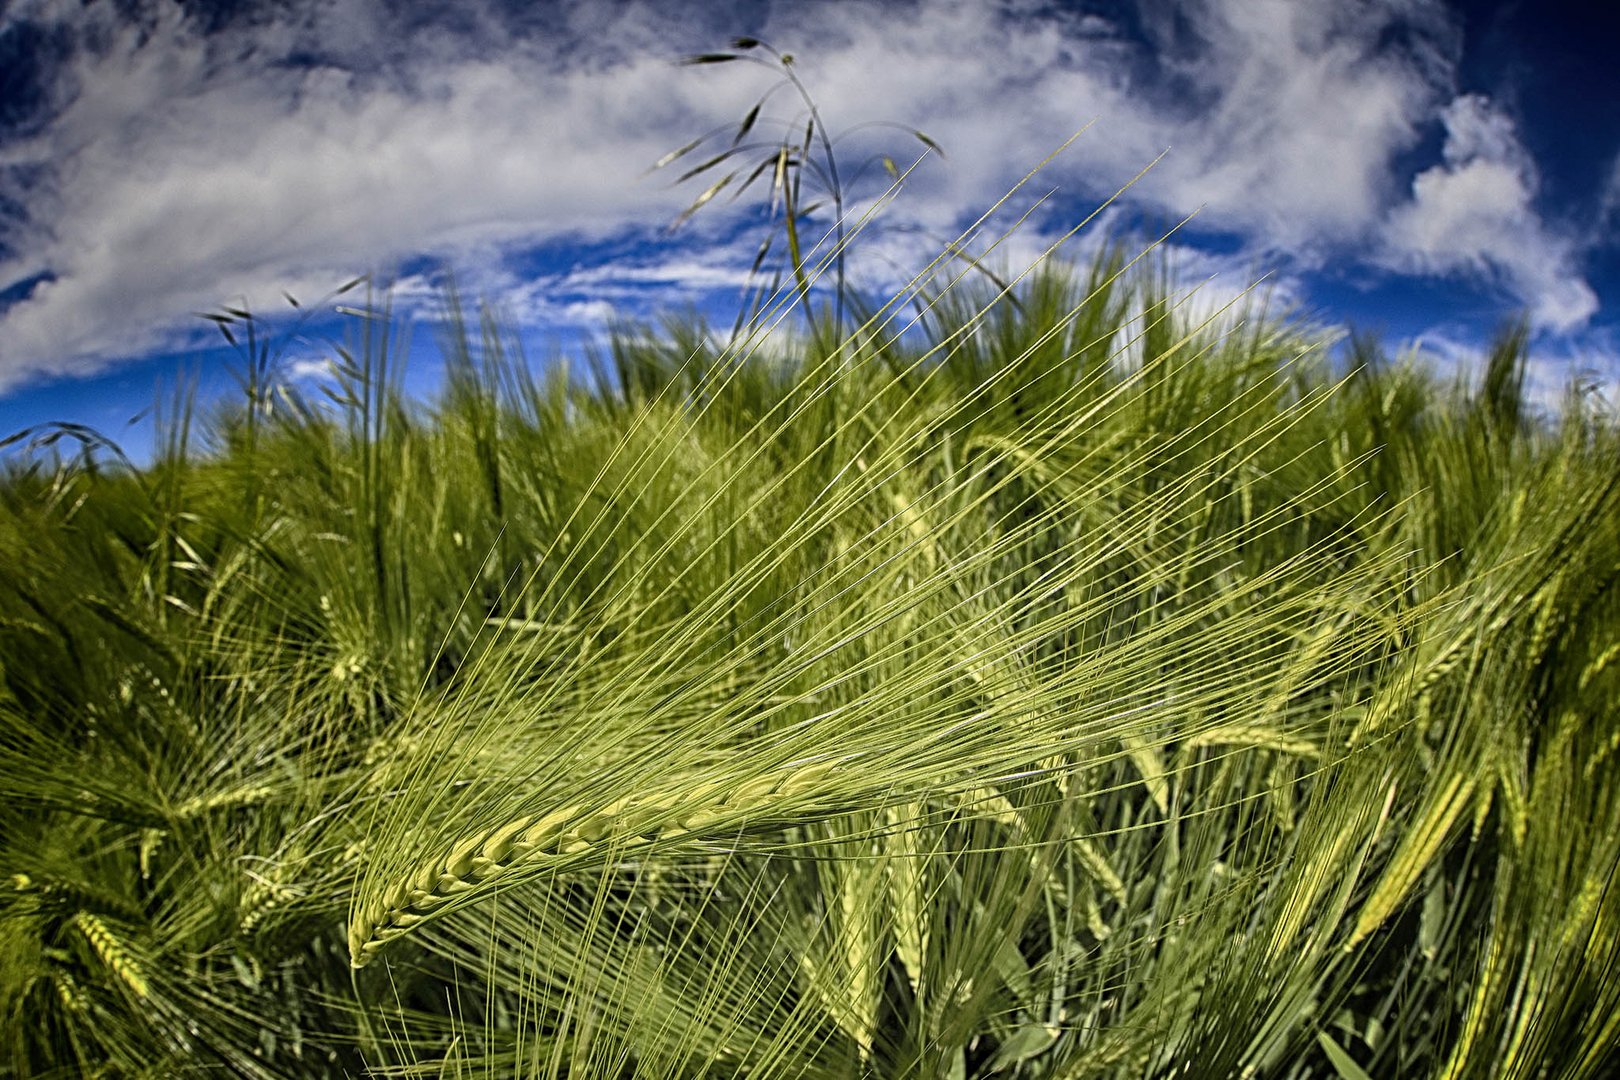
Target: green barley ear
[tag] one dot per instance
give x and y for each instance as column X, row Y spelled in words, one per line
column 112, row 952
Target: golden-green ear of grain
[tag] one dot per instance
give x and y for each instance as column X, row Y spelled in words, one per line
column 112, row 952
column 574, row 837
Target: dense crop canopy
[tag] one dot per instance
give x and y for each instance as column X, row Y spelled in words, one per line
column 1046, row 684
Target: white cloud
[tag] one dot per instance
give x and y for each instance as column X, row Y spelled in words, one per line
column 309, row 369
column 188, row 170
column 180, row 184
column 1474, row 213
column 1302, row 112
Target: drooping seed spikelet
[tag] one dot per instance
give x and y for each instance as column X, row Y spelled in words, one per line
column 535, row 840
column 111, row 951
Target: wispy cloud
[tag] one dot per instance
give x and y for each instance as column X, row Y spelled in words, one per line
column 177, row 168
column 308, row 368
column 179, row 180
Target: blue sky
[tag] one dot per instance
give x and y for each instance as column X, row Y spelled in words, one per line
column 1422, row 169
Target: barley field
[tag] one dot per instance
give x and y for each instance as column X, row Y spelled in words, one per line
column 1046, row 682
